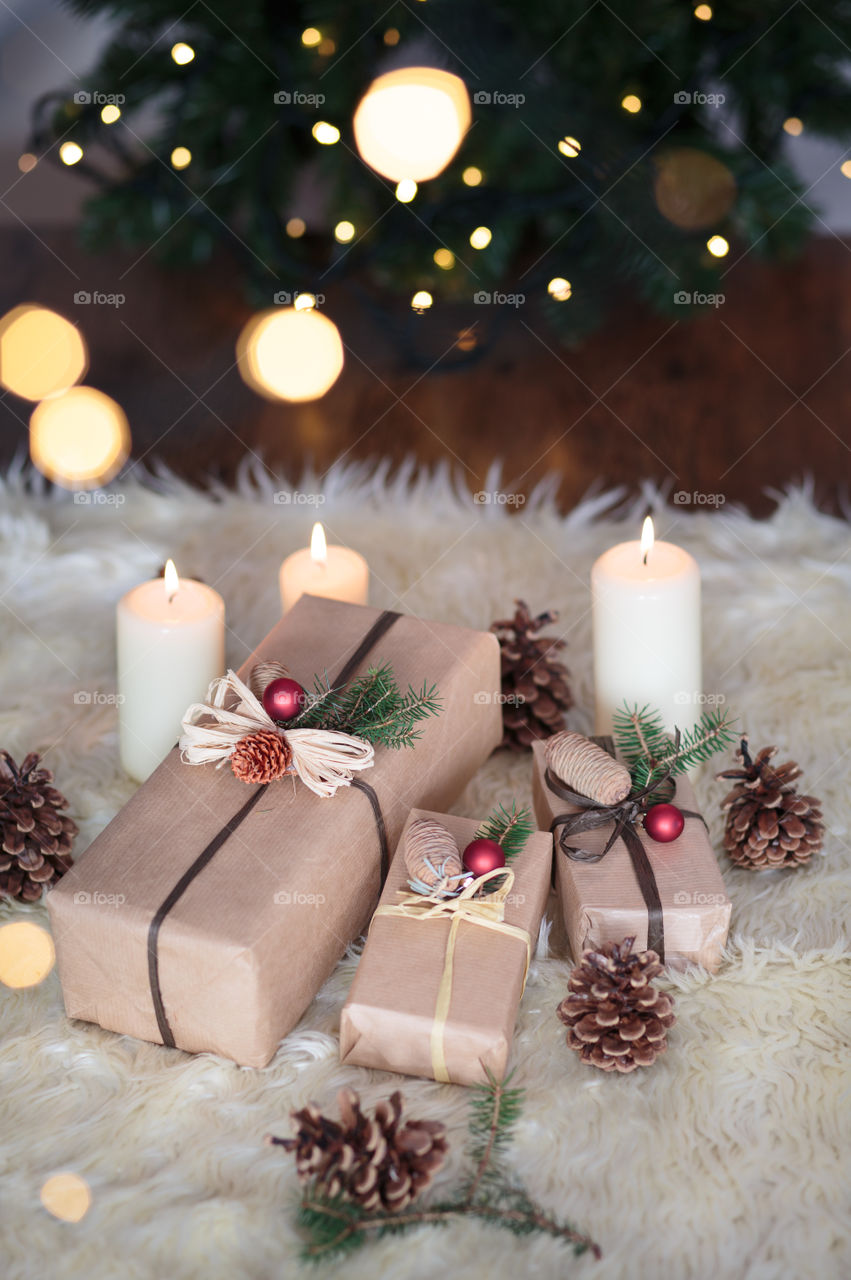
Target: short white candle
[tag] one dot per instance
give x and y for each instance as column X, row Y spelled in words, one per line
column 171, row 644
column 646, row 613
column 319, row 570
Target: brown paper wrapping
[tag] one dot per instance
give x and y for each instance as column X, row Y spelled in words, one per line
column 257, row 932
column 601, row 902
column 388, row 1017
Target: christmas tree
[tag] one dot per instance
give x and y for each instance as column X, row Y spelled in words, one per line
column 613, row 146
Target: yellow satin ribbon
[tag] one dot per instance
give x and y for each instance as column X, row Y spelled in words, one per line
column 488, row 911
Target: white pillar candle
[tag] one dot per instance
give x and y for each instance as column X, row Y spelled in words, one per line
column 319, row 570
column 646, row 614
column 171, row 644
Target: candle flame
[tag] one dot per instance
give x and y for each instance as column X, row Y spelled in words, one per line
column 318, row 547
column 171, row 580
column 647, row 538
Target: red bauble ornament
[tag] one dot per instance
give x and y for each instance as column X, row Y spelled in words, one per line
column 482, row 856
column 663, row 823
column 284, row 699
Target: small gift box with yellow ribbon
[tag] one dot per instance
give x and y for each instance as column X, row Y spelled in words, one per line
column 438, row 986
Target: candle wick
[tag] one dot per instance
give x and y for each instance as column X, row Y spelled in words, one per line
column 645, row 556
column 174, row 593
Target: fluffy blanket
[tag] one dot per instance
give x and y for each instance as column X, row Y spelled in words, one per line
column 728, row 1158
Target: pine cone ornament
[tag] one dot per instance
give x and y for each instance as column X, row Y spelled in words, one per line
column 534, row 681
column 261, row 757
column 616, row 1019
column 37, row 836
column 768, row 824
column 377, row 1162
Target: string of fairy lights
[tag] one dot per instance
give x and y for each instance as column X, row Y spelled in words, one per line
column 408, row 127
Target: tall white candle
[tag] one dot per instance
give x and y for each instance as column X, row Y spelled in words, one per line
column 319, row 570
column 646, row 614
column 171, row 644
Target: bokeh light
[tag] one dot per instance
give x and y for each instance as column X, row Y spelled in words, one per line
column 569, row 147
column 794, row 126
column 631, row 103
column 292, row 355
column 693, row 190
column 481, row 237
column 26, row 954
column 344, row 231
column 296, row 227
column 304, row 301
column 70, row 152
column 66, row 1196
column 703, row 12
column 472, row 176
column 559, row 288
column 41, row 353
column 421, row 300
column 326, row 47
column 444, row 258
column 182, row 53
column 325, row 133
column 311, row 37
column 717, row 246
column 410, row 122
column 466, row 340
column 391, row 36
column 27, row 162
column 181, row 157
column 80, row 439
column 845, row 168
column 406, row 190
column 110, row 113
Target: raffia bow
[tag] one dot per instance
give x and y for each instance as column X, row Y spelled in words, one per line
column 487, row 911
column 324, row 759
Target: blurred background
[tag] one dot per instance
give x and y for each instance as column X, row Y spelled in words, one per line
column 635, row 265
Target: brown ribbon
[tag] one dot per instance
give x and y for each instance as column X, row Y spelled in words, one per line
column 624, row 817
column 379, row 628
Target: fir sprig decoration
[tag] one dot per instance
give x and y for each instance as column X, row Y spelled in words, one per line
column 652, row 754
column 333, row 1226
column 372, row 707
column 510, row 828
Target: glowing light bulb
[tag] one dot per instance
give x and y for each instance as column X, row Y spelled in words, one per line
column 291, row 355
column 325, row 133
column 406, row 190
column 27, row 162
column 481, row 237
column 181, row 157
column 41, row 353
column 70, row 152
column 410, row 122
column 703, row 12
column 296, row 227
column 631, row 103
column 569, row 147
column 445, row 259
column 311, row 37
column 66, row 1196
column 79, row 439
column 794, row 126
column 304, row 301
column 26, row 954
column 717, row 246
column 472, row 177
column 559, row 288
column 182, row 53
column 421, row 300
column 110, row 113
column 344, row 232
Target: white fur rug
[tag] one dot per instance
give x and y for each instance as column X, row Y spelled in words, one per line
column 728, row 1158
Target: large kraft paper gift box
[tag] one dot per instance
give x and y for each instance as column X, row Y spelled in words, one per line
column 203, row 919
column 388, row 1020
column 603, row 901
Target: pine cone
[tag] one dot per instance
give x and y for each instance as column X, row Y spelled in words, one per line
column 616, row 1019
column 37, row 836
column 377, row 1163
column 768, row 823
column 534, row 681
column 261, row 757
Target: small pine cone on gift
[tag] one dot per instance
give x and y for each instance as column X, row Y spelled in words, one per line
column 769, row 825
column 261, row 757
column 37, row 836
column 376, row 1162
column 535, row 689
column 616, row 1019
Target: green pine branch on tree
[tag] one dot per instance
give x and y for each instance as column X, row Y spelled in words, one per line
column 652, row 754
column 510, row 828
column 331, row 1226
column 372, row 707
